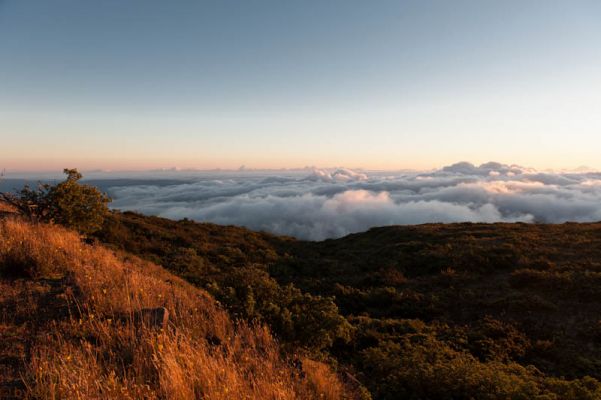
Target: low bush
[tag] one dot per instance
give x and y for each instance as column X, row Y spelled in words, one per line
column 422, row 367
column 69, row 203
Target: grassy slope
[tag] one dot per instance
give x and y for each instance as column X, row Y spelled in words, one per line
column 512, row 294
column 67, row 330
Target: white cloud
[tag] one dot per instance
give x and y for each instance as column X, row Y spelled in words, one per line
column 339, row 175
column 329, row 204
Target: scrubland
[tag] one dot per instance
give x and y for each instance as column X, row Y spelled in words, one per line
column 437, row 311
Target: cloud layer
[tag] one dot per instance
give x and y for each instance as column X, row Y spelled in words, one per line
column 324, row 204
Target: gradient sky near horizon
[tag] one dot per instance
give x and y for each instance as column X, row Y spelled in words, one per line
column 124, row 84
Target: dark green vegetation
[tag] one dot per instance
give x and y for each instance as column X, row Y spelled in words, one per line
column 462, row 311
column 69, row 203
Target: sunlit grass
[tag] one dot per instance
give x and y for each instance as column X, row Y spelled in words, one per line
column 99, row 351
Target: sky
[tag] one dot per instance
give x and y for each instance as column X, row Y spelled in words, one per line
column 378, row 85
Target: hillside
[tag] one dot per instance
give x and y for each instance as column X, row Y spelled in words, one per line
column 80, row 321
column 487, row 311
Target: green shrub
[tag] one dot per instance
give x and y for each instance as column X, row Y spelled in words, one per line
column 491, row 339
column 299, row 319
column 69, row 203
column 422, row 367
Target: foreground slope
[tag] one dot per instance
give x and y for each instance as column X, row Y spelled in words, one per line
column 72, row 326
column 437, row 311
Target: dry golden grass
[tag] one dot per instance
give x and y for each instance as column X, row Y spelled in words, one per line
column 93, row 348
column 4, row 207
column 323, row 380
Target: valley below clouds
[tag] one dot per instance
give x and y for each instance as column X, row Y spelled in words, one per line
column 320, row 204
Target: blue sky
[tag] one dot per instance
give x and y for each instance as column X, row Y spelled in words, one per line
column 283, row 84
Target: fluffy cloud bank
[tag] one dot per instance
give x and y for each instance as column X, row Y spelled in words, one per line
column 328, row 204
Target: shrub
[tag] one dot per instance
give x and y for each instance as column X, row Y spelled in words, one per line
column 491, row 339
column 69, row 203
column 422, row 367
column 299, row 319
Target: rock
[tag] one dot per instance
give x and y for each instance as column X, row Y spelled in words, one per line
column 153, row 317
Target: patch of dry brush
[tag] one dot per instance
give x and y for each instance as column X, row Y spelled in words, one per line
column 96, row 350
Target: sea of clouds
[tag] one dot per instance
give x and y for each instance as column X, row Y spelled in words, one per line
column 322, row 204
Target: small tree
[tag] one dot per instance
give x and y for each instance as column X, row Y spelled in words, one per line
column 69, row 203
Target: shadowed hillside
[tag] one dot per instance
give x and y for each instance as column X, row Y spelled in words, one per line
column 487, row 311
column 74, row 325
